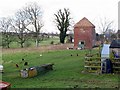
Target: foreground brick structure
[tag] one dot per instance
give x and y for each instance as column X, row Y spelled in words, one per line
column 84, row 33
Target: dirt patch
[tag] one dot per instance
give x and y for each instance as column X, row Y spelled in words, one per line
column 37, row 49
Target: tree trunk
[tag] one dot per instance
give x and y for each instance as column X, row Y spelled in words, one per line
column 8, row 45
column 22, row 45
column 62, row 38
column 37, row 43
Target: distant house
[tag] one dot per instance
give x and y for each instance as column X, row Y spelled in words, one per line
column 84, row 34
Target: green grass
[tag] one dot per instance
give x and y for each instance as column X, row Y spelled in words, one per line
column 67, row 71
column 31, row 42
column 48, row 41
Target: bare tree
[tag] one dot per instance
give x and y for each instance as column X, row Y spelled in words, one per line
column 20, row 25
column 62, row 20
column 106, row 28
column 5, row 27
column 105, row 25
column 34, row 14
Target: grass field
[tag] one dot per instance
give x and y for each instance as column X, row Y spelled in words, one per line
column 31, row 42
column 67, row 73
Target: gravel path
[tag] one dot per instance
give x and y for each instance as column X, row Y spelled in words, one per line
column 39, row 49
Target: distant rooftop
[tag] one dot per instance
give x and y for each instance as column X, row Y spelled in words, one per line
column 115, row 44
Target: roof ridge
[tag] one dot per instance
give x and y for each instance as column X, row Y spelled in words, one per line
column 84, row 22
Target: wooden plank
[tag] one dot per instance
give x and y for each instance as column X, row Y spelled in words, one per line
column 92, row 57
column 94, row 71
column 92, row 66
column 116, row 72
column 92, row 61
column 116, row 67
column 116, row 62
column 115, row 58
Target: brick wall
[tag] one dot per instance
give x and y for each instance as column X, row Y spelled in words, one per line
column 86, row 34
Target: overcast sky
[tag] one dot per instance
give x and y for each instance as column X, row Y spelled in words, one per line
column 91, row 9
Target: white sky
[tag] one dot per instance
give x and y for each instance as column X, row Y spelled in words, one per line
column 91, row 9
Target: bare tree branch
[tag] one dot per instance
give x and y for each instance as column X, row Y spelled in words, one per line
column 20, row 25
column 62, row 20
column 105, row 25
column 34, row 14
column 5, row 28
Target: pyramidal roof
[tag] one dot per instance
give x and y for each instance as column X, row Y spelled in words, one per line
column 84, row 23
column 115, row 44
